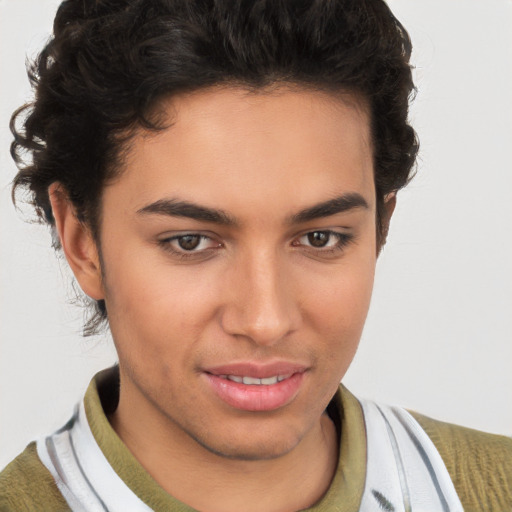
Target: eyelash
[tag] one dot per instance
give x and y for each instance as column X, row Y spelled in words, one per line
column 183, row 254
column 343, row 239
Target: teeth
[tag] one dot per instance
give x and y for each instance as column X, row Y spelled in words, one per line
column 253, row 381
column 269, row 380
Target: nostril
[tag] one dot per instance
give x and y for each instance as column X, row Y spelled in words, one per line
column 265, row 327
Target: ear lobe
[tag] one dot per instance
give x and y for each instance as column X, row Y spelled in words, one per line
column 77, row 243
column 389, row 208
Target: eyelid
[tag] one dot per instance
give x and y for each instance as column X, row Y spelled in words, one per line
column 337, row 231
column 343, row 240
column 334, row 234
column 173, row 235
column 166, row 243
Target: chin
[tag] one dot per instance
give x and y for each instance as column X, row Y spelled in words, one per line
column 251, row 448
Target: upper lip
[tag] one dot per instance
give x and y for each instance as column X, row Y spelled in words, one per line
column 257, row 370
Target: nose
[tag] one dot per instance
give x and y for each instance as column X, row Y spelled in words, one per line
column 262, row 304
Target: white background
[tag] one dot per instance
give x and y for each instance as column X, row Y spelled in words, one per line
column 438, row 337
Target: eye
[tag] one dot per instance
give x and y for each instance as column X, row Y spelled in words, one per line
column 324, row 242
column 320, row 238
column 189, row 244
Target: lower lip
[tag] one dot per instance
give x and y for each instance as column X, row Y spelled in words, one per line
column 253, row 397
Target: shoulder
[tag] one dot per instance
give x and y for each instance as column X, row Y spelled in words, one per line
column 26, row 485
column 479, row 464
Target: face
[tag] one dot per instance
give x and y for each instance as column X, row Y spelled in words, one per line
column 238, row 251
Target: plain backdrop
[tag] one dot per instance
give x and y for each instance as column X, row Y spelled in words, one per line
column 438, row 336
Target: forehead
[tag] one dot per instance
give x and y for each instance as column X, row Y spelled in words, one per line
column 238, row 146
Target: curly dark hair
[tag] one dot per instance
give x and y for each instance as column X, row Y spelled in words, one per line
column 110, row 62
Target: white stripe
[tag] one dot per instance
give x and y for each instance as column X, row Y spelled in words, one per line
column 83, row 475
column 107, row 483
column 402, row 473
column 394, row 438
column 443, row 476
column 382, row 473
column 56, row 454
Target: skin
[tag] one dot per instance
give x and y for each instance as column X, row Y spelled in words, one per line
column 256, row 290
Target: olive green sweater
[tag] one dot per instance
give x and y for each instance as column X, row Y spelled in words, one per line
column 480, row 464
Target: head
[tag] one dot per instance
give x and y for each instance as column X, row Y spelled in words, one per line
column 110, row 64
column 237, row 160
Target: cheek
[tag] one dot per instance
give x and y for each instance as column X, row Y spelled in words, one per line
column 336, row 313
column 341, row 299
column 152, row 301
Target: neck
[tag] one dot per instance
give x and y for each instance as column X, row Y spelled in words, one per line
column 210, row 482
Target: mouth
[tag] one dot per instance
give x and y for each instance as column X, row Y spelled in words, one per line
column 250, row 387
column 254, row 381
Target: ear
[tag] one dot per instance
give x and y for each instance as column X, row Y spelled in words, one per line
column 389, row 208
column 77, row 243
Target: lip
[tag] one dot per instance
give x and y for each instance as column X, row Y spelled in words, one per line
column 256, row 397
column 257, row 370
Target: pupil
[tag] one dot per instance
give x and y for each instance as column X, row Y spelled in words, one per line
column 318, row 238
column 189, row 242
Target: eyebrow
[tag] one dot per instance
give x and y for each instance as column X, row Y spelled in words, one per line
column 339, row 204
column 176, row 208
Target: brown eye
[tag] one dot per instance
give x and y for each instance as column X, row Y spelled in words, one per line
column 189, row 242
column 326, row 243
column 319, row 238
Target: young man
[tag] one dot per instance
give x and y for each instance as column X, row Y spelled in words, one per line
column 221, row 178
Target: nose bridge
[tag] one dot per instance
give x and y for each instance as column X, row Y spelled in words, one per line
column 262, row 306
